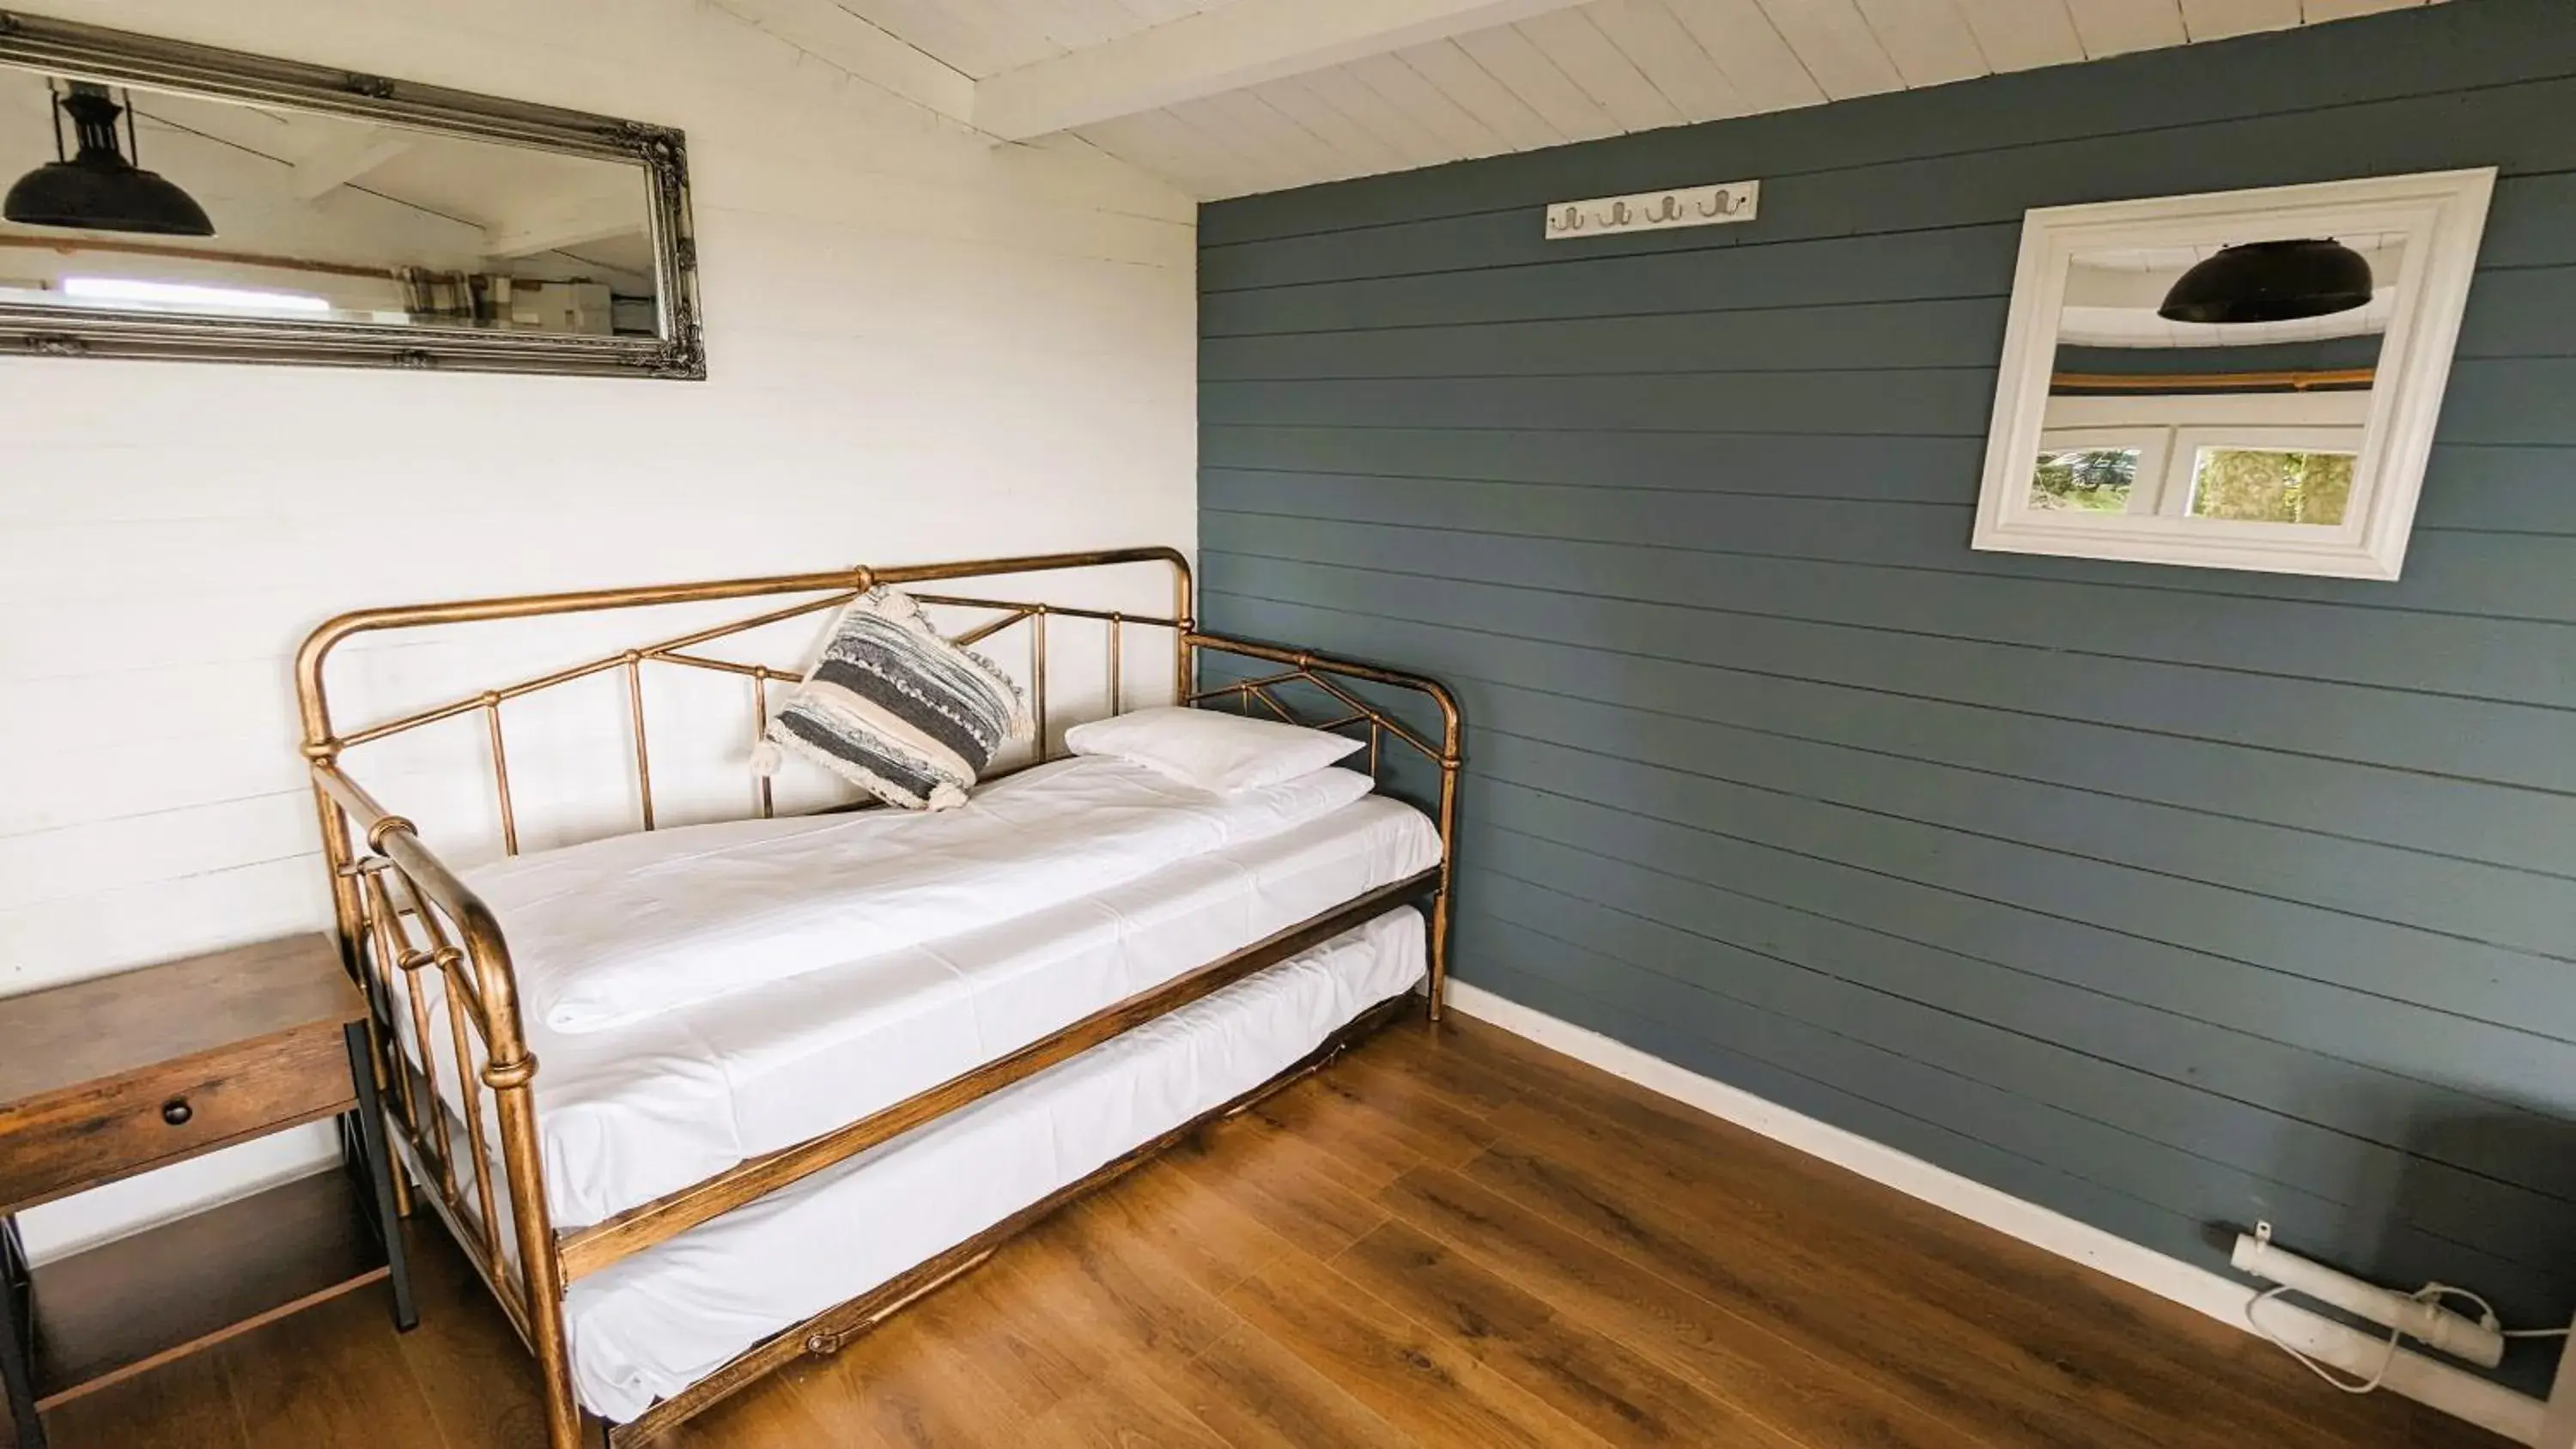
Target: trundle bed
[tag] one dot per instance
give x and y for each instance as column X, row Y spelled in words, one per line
column 850, row 1052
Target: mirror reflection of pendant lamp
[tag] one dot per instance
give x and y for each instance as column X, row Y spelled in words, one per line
column 2271, row 281
column 100, row 189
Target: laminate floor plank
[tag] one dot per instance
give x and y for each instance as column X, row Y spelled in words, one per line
column 1212, row 1241
column 1313, row 1198
column 467, row 1360
column 332, row 1374
column 1450, row 1239
column 2015, row 1289
column 1589, row 1377
column 1913, row 1343
column 1461, row 1060
column 784, row 1414
column 903, row 1387
column 1744, row 1362
column 1071, row 1390
column 1117, row 1292
column 1124, row 1408
column 1097, row 1281
column 1369, row 1114
column 2087, row 1359
column 187, row 1404
column 1406, row 1374
column 1257, row 1394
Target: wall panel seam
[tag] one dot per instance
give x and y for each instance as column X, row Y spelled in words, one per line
column 1703, row 550
column 1472, row 867
column 2543, row 1201
column 1884, row 629
column 2060, row 852
column 2043, row 782
column 2012, row 905
column 1215, row 592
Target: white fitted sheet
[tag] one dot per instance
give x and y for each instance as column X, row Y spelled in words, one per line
column 626, row 929
column 628, row 1115
column 648, row 1326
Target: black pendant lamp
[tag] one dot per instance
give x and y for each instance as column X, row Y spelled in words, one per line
column 2271, row 281
column 99, row 189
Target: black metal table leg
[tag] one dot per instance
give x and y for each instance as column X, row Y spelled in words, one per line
column 18, row 1338
column 377, row 1163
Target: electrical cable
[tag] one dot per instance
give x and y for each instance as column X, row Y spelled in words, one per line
column 2431, row 1293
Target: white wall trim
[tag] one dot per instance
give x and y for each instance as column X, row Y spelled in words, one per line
column 2516, row 1416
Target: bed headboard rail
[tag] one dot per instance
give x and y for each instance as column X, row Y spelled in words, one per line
column 325, row 742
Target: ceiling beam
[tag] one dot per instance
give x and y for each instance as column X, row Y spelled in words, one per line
column 1232, row 46
column 588, row 219
column 840, row 39
column 350, row 153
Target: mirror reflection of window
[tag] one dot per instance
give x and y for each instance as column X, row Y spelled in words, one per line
column 2227, row 380
column 2085, row 480
column 2271, row 485
column 314, row 217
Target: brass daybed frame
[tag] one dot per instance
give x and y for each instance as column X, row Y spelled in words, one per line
column 404, row 914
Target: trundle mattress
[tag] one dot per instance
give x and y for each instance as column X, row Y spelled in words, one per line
column 648, row 1326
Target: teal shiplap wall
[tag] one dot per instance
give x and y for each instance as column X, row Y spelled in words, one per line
column 2169, row 899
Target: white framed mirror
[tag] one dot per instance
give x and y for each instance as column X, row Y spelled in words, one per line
column 2243, row 379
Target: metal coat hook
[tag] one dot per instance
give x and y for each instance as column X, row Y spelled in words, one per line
column 1680, row 206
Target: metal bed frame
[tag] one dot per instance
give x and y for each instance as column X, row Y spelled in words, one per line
column 404, row 915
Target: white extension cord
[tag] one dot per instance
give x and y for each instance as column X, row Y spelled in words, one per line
column 2430, row 1293
column 2436, row 1325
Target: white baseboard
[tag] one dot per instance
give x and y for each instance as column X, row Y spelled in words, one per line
column 2516, row 1416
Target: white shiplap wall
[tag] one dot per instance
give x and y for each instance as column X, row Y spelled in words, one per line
column 1572, row 74
column 922, row 347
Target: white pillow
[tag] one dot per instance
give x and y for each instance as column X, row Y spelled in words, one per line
column 1218, row 752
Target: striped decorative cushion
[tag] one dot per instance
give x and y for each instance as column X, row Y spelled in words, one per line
column 895, row 709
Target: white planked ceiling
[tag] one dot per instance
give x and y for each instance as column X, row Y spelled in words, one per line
column 1555, row 73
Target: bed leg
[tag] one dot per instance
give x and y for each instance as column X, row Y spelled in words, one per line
column 1439, row 952
column 542, row 1277
column 567, row 1425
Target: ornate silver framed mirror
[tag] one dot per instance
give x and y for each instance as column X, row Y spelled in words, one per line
column 168, row 200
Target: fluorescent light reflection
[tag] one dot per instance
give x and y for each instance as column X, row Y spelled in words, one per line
column 123, row 291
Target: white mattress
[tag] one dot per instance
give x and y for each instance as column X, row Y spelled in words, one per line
column 648, row 1326
column 630, row 1114
column 628, row 929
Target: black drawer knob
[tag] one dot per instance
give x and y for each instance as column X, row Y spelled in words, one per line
column 176, row 1111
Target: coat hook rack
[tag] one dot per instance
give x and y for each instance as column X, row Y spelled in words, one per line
column 1731, row 201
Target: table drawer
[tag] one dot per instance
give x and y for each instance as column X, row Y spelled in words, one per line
column 113, row 1128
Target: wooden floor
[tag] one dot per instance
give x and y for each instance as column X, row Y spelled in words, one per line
column 1450, row 1239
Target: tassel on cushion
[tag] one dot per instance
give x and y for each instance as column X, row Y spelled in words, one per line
column 897, row 710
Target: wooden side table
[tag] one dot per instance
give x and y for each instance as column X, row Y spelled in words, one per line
column 117, row 1076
